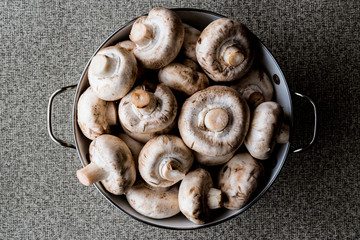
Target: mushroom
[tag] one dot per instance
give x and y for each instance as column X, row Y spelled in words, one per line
column 164, row 161
column 144, row 114
column 111, row 164
column 224, row 50
column 213, row 122
column 197, row 196
column 112, row 73
column 94, row 115
column 238, row 179
column 158, row 37
column 255, row 87
column 190, row 38
column 127, row 44
column 266, row 130
column 153, row 202
column 182, row 78
column 134, row 146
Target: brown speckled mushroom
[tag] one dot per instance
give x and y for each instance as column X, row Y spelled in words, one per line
column 111, row 164
column 153, row 202
column 238, row 179
column 190, row 39
column 224, row 50
column 197, row 196
column 213, row 122
column 266, row 124
column 255, row 87
column 182, row 78
column 145, row 114
column 158, row 37
column 164, row 161
column 94, row 115
column 112, row 73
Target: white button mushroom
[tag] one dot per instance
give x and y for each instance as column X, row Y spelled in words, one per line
column 255, row 87
column 158, row 37
column 94, row 115
column 111, row 163
column 265, row 125
column 224, row 50
column 182, row 78
column 144, row 114
column 238, row 179
column 134, row 146
column 164, row 161
column 153, row 202
column 213, row 122
column 190, row 39
column 112, row 73
column 197, row 196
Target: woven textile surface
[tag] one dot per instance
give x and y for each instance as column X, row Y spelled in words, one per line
column 45, row 45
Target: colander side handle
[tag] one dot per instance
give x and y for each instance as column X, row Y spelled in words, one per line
column 303, row 148
column 49, row 117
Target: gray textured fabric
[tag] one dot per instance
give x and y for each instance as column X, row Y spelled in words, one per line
column 46, row 44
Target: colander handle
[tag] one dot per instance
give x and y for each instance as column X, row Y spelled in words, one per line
column 49, row 117
column 301, row 149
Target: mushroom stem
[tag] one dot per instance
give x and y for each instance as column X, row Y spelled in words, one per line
column 216, row 119
column 101, row 65
column 90, row 174
column 141, row 34
column 144, row 101
column 168, row 171
column 233, row 56
column 214, row 198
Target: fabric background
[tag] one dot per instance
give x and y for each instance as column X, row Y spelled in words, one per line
column 46, row 44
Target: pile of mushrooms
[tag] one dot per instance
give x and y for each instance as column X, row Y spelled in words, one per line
column 190, row 141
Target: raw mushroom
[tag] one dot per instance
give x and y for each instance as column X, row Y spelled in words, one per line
column 145, row 114
column 197, row 197
column 94, row 115
column 158, row 37
column 213, row 122
column 238, row 179
column 266, row 130
column 127, row 44
column 224, row 50
column 134, row 146
column 153, row 202
column 190, row 39
column 164, row 161
column 255, row 87
column 112, row 73
column 111, row 163
column 182, row 78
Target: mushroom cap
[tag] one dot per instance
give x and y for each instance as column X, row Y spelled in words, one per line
column 183, row 78
column 164, row 34
column 238, row 179
column 193, row 194
column 213, row 43
column 145, row 137
column 95, row 115
column 190, row 39
column 112, row 73
column 113, row 155
column 162, row 116
column 256, row 80
column 134, row 146
column 152, row 202
column 265, row 122
column 205, row 111
column 164, row 153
